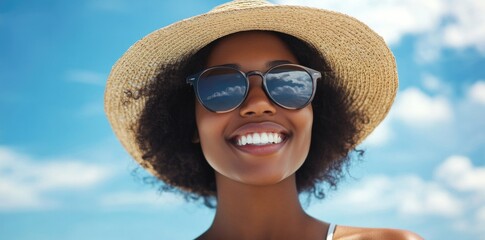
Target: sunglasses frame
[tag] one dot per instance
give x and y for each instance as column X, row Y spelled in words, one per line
column 314, row 74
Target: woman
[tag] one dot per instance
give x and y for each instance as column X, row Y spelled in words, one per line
column 251, row 105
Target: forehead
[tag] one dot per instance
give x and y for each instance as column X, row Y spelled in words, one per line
column 251, row 50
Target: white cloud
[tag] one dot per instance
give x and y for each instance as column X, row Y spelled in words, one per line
column 476, row 92
column 439, row 23
column 364, row 195
column 480, row 215
column 24, row 181
column 429, row 46
column 431, row 82
column 411, row 196
column 381, row 135
column 86, row 77
column 391, row 19
column 418, row 109
column 14, row 196
column 408, row 195
column 465, row 27
column 459, row 173
column 146, row 198
column 427, row 198
column 455, row 193
column 480, row 222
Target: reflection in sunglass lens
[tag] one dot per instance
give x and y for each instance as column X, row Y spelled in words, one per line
column 221, row 89
column 289, row 86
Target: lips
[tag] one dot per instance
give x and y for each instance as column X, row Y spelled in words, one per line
column 259, row 138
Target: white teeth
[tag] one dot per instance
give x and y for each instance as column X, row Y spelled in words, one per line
column 243, row 140
column 270, row 137
column 264, row 138
column 249, row 139
column 259, row 139
column 256, row 138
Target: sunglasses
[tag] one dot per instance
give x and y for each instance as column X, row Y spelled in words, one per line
column 222, row 89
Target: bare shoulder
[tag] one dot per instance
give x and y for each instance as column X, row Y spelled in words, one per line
column 358, row 233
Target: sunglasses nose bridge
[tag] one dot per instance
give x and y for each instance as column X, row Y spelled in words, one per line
column 257, row 73
column 257, row 102
column 257, row 83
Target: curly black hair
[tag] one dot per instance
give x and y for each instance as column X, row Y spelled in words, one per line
column 167, row 126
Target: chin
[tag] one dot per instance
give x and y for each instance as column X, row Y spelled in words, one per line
column 263, row 179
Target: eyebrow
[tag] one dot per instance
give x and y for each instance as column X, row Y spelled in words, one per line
column 269, row 64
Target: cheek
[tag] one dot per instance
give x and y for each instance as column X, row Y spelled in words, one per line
column 207, row 124
column 210, row 127
column 307, row 122
column 303, row 121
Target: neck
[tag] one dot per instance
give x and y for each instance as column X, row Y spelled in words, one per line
column 258, row 212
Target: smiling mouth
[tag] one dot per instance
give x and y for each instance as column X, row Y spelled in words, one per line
column 259, row 139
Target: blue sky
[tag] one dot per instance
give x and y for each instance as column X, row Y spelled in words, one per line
column 63, row 174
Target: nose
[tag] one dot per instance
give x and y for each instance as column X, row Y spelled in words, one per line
column 256, row 103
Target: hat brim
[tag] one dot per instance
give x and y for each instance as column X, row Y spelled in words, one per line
column 363, row 64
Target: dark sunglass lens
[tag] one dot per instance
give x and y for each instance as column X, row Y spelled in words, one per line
column 290, row 86
column 221, row 89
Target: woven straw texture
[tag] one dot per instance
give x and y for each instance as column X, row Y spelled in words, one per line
column 363, row 64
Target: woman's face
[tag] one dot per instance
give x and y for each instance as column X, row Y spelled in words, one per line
column 222, row 134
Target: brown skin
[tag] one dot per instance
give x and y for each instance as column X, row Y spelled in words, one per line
column 257, row 194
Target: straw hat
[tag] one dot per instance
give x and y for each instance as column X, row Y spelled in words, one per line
column 363, row 64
